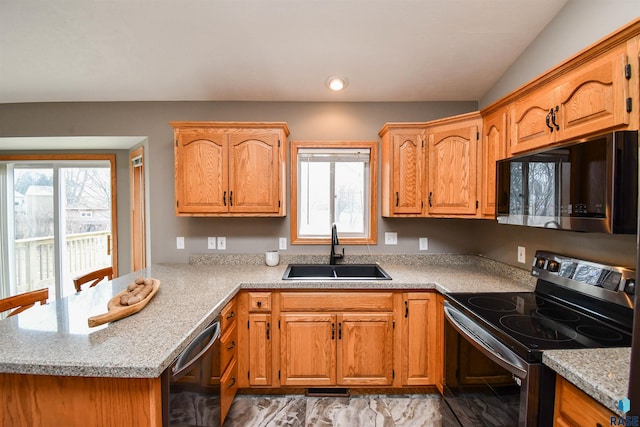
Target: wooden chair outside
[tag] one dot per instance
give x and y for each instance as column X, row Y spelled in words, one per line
column 23, row 301
column 96, row 276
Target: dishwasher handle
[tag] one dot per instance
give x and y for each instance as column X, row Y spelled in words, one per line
column 186, row 360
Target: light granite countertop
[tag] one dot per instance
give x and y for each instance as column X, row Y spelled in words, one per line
column 55, row 339
column 602, row 373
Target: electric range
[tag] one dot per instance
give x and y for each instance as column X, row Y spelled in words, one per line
column 576, row 304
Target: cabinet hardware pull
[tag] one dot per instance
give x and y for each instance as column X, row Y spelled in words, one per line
column 430, row 195
column 224, row 198
column 553, row 117
column 333, row 331
column 548, row 120
column 339, row 330
column 230, row 198
column 406, row 309
column 259, row 304
column 231, row 315
column 232, row 383
column 397, row 199
column 268, row 329
column 232, row 346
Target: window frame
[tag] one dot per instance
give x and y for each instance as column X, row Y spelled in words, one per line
column 57, row 161
column 372, row 228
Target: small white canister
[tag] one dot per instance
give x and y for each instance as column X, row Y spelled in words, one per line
column 272, row 258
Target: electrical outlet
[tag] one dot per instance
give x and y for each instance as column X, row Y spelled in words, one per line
column 180, row 242
column 222, row 243
column 282, row 243
column 211, row 243
column 522, row 255
column 424, row 243
column 390, row 238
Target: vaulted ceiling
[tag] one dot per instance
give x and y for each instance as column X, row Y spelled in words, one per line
column 261, row 50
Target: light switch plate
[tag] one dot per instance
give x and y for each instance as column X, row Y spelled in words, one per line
column 282, row 243
column 222, row 243
column 211, row 243
column 424, row 243
column 180, row 242
column 522, row 257
column 390, row 238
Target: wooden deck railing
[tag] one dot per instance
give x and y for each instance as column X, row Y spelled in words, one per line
column 35, row 259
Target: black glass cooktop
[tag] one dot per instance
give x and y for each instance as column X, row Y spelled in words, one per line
column 529, row 323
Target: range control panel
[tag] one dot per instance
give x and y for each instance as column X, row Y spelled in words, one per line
column 572, row 272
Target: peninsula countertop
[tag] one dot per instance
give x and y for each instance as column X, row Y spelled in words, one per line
column 55, row 339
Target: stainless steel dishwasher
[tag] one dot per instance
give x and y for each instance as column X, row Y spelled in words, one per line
column 198, row 352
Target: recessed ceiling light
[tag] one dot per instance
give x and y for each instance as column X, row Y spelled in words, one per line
column 336, row 83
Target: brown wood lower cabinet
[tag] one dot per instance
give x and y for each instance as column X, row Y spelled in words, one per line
column 49, row 400
column 260, row 367
column 336, row 349
column 421, row 362
column 339, row 338
column 574, row 408
column 308, row 349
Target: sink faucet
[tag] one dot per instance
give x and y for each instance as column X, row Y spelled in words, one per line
column 335, row 242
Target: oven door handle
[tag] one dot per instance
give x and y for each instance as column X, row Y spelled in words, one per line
column 485, row 342
column 185, row 361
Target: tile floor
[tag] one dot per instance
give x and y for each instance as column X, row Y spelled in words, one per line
column 192, row 409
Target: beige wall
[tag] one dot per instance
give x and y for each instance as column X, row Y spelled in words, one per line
column 307, row 121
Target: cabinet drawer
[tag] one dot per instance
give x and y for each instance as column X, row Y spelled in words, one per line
column 336, row 301
column 260, row 301
column 228, row 389
column 228, row 346
column 228, row 315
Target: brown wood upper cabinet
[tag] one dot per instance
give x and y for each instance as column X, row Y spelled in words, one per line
column 494, row 148
column 454, row 165
column 230, row 168
column 431, row 168
column 403, row 169
column 585, row 100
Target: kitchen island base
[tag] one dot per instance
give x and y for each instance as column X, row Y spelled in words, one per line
column 46, row 400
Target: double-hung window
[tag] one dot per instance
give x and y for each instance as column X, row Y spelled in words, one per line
column 334, row 183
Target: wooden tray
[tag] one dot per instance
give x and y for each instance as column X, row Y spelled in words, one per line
column 117, row 311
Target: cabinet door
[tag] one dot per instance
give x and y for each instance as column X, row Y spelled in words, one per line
column 452, row 168
column 308, row 349
column 254, row 173
column 419, row 335
column 365, row 349
column 528, row 122
column 260, row 367
column 593, row 97
column 200, row 171
column 494, row 147
column 408, row 174
column 574, row 408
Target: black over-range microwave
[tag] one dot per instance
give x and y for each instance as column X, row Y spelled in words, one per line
column 589, row 185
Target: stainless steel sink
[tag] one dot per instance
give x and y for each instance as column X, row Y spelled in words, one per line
column 335, row 272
